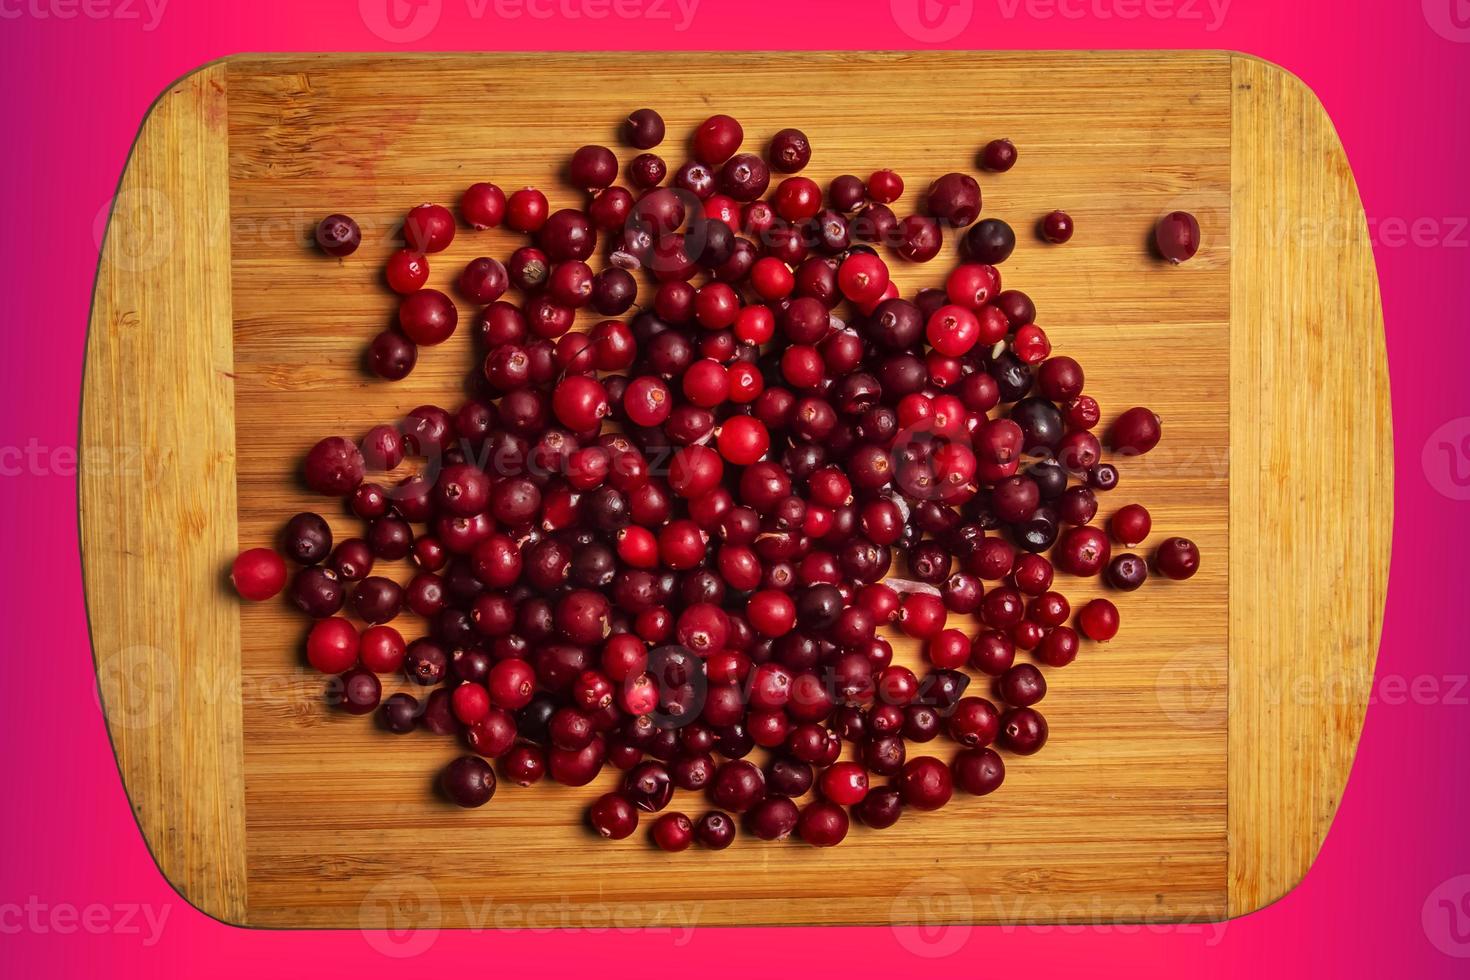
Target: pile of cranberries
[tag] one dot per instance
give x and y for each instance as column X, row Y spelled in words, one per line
column 671, row 539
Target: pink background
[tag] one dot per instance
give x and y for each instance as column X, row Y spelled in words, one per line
column 77, row 80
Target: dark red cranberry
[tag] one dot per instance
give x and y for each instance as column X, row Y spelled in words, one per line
column 482, row 206
column 1177, row 558
column 644, row 128
column 822, row 824
column 612, row 816
column 955, row 198
column 773, row 818
column 789, row 151
column 1130, row 524
column 593, row 167
column 1023, row 731
column 427, row 317
column 334, row 467
column 317, row 592
column 925, row 783
column 1103, row 476
column 1057, row 228
column 998, row 155
column 673, row 832
column 307, row 539
column 1176, row 236
column 392, row 356
column 1078, row 505
column 468, row 781
column 357, row 691
column 881, row 808
column 978, row 771
column 990, row 241
column 1127, row 572
column 789, row 777
column 715, row 830
column 338, row 235
column 919, row 238
column 1022, row 685
column 399, row 713
column 1083, row 551
column 1134, row 432
column 738, row 785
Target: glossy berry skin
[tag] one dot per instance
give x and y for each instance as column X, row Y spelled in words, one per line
column 998, row 156
column 1177, row 558
column 1022, row 686
column 613, row 817
column 925, row 783
column 644, row 129
column 381, row 649
column 673, row 832
column 1177, row 236
column 406, row 271
column 1130, row 525
column 468, row 781
column 845, row 783
column 715, row 830
column 1135, row 432
column 881, row 808
column 974, row 722
column 392, row 356
column 1099, row 620
column 527, row 210
column 332, row 645
column 482, row 206
column 334, row 467
column 822, row 824
column 429, row 228
column 427, row 317
column 1127, row 572
column 979, row 771
column 1023, row 731
column 1057, row 228
column 717, row 139
column 258, row 574
column 1083, row 551
column 790, row 151
column 338, row 235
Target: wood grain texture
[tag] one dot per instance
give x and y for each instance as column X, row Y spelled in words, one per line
column 1122, row 817
column 1309, row 409
column 157, row 496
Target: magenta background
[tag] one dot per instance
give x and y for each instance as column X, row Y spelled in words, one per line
column 75, row 92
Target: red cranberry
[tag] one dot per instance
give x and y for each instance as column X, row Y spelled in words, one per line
column 716, row 139
column 673, row 832
column 955, row 198
column 1023, row 731
column 334, row 467
column 332, row 645
column 738, row 785
column 1134, row 432
column 612, row 816
column 1083, row 551
column 919, row 238
column 1177, row 558
column 593, row 167
column 822, row 824
column 790, row 151
column 1059, row 647
column 526, row 210
column 1078, row 505
column 885, row 186
column 1099, row 620
column 1131, row 524
column 1032, row 574
column 429, row 228
column 482, row 206
column 338, row 235
column 258, row 574
column 406, row 271
column 1177, row 236
column 974, row 722
column 925, row 783
column 468, row 781
column 579, row 767
column 773, row 818
column 978, row 771
column 427, row 317
column 1057, row 228
column 998, row 155
column 524, row 765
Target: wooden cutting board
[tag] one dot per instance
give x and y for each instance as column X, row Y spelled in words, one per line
column 1195, row 763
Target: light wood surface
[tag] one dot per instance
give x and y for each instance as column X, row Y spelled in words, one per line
column 1311, row 496
column 157, row 495
column 1122, row 817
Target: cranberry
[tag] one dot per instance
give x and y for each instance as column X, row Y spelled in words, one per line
column 317, row 592
column 1057, row 228
column 885, row 186
column 399, row 713
column 1131, row 524
column 716, row 139
column 925, row 783
column 427, row 317
column 1099, row 620
column 922, row 615
column 789, row 151
column 919, row 238
column 990, row 241
column 822, row 824
column 998, row 155
column 773, row 818
column 1103, row 476
column 1177, row 236
column 738, row 785
column 259, row 573
column 953, row 330
column 955, row 198
column 338, row 235
column 1082, row 412
column 1127, row 572
column 644, row 128
column 992, row 653
column 579, row 767
column 593, row 167
column 482, row 206
column 334, row 467
column 1083, row 551
column 978, row 771
column 406, row 271
column 1023, row 731
column 881, row 808
column 468, row 781
column 845, row 783
column 1177, row 558
column 429, row 228
column 974, row 722
column 524, row 765
column 1059, row 647
column 1049, row 609
column 332, row 645
column 1134, row 432
column 715, row 830
column 526, row 210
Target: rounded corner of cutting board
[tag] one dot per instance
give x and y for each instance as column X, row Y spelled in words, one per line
column 1309, row 368
column 157, row 464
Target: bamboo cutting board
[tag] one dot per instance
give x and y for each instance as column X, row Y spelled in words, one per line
column 1195, row 763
